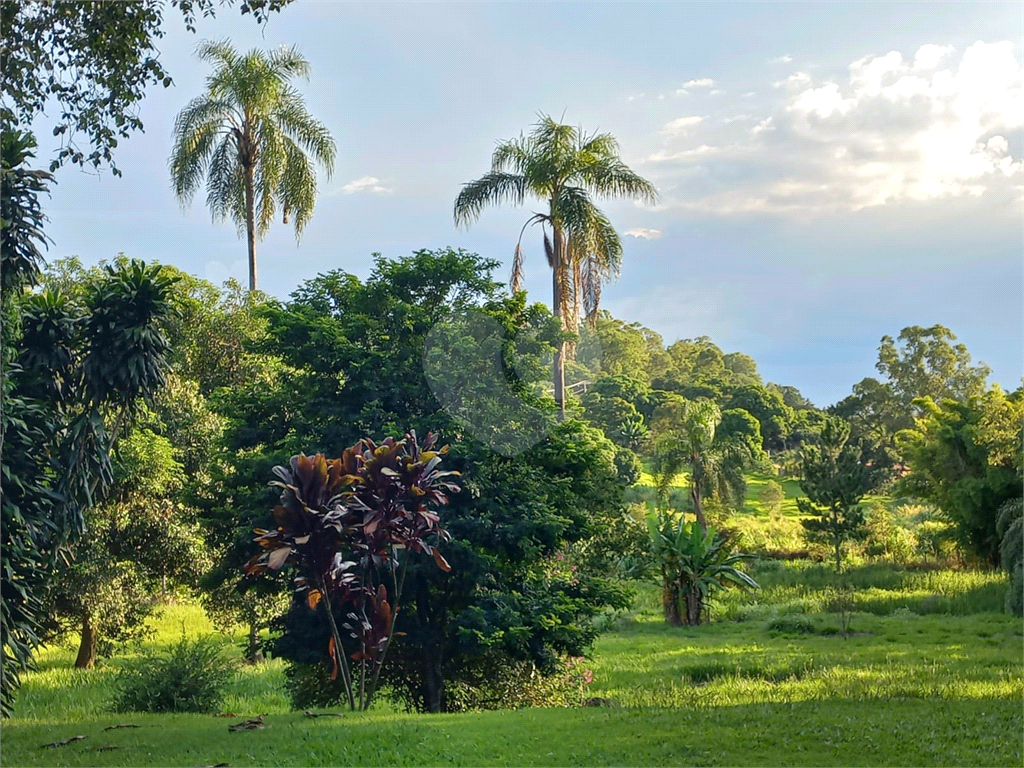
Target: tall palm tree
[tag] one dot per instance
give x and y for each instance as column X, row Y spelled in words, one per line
column 686, row 440
column 251, row 138
column 564, row 168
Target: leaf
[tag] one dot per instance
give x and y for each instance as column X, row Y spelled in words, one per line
column 334, row 659
column 441, row 562
column 278, row 557
column 313, row 598
column 302, row 539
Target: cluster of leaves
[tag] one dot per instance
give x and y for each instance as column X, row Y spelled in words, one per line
column 835, row 476
column 95, row 60
column 694, row 564
column 343, row 524
column 191, row 676
column 356, row 351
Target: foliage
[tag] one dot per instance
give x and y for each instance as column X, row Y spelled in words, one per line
column 617, row 418
column 20, row 212
column 356, row 350
column 963, row 459
column 773, row 415
column 1010, row 526
column 695, row 562
column 628, row 466
column 343, row 523
column 251, row 138
column 686, row 437
column 564, row 168
column 771, row 497
column 835, row 477
column 190, row 677
column 95, row 61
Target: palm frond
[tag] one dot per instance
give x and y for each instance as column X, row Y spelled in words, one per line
column 225, row 184
column 310, row 134
column 493, row 188
column 297, row 189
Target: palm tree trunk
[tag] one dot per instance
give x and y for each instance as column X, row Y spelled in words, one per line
column 698, row 508
column 670, row 600
column 556, row 307
column 694, row 606
column 250, row 224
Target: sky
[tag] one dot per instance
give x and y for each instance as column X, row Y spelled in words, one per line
column 828, row 172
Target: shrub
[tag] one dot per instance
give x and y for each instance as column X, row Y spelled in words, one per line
column 791, row 625
column 771, row 497
column 310, row 685
column 521, row 684
column 190, row 677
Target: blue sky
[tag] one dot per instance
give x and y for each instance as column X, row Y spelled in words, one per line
column 828, row 172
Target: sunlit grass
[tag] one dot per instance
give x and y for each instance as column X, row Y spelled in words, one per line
column 931, row 674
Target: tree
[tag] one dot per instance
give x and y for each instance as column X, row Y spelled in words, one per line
column 1010, row 526
column 965, row 457
column 95, row 60
column 352, row 363
column 924, row 362
column 694, row 564
column 771, row 497
column 685, row 438
column 249, row 136
column 835, row 477
column 774, row 416
column 562, row 167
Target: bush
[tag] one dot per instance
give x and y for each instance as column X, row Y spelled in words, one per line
column 310, row 685
column 791, row 625
column 628, row 466
column 771, row 497
column 190, row 677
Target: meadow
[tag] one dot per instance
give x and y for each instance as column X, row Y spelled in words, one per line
column 929, row 672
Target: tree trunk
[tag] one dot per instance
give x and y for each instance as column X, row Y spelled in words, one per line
column 87, row 649
column 698, row 508
column 694, row 606
column 670, row 602
column 556, row 308
column 839, row 554
column 250, row 225
column 252, row 651
column 432, row 686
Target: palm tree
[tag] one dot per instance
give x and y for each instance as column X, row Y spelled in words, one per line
column 686, row 440
column 562, row 167
column 249, row 136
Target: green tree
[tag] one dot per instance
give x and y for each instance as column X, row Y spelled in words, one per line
column 352, row 363
column 771, row 497
column 564, row 168
column 924, row 362
column 95, row 61
column 774, row 416
column 835, row 476
column 965, row 457
column 685, row 439
column 251, row 138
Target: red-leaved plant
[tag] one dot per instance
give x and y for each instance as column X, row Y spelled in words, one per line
column 349, row 525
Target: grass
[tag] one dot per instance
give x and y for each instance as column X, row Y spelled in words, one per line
column 930, row 675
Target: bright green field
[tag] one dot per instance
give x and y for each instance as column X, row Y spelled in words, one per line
column 931, row 675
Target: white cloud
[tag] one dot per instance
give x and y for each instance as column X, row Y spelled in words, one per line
column 217, row 272
column 928, row 56
column 681, row 91
column 646, row 234
column 704, row 82
column 918, row 128
column 796, row 79
column 368, row 184
column 736, row 118
column 680, row 124
column 715, row 92
column 684, row 154
column 783, row 59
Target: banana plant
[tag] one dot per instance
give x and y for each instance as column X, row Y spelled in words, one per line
column 694, row 565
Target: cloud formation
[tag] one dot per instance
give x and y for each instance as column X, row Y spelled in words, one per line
column 646, row 234
column 704, row 82
column 680, row 124
column 366, row 184
column 923, row 128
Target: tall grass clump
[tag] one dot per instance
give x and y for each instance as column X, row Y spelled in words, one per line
column 192, row 676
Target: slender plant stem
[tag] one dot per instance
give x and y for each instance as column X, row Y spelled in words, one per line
column 339, row 653
column 391, row 626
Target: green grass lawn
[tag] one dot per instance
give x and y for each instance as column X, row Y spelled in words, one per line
column 931, row 674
